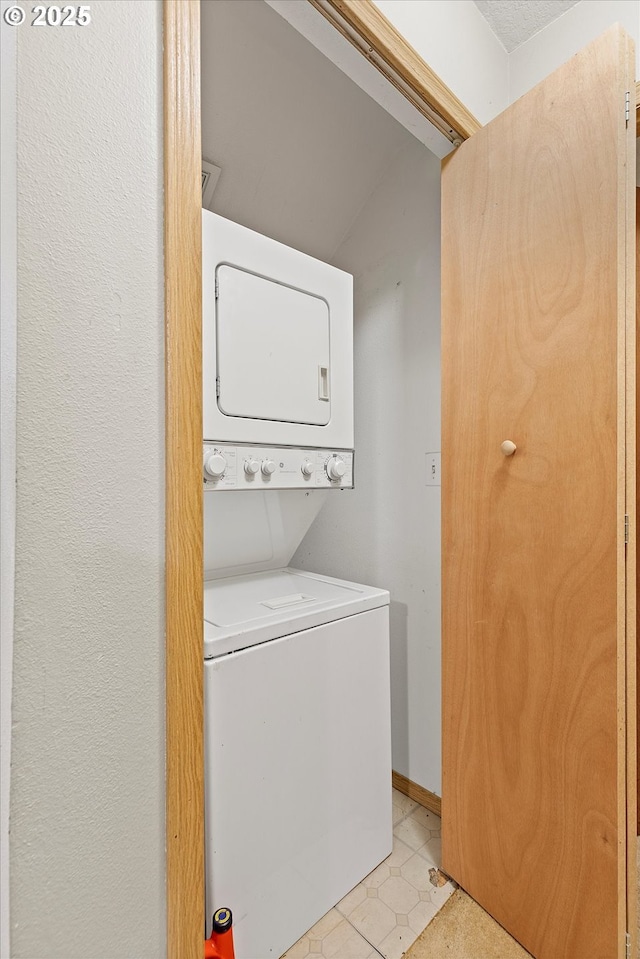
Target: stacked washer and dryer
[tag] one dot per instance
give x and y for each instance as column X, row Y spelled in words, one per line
column 297, row 717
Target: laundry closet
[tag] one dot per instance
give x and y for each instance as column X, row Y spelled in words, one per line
column 310, row 162
column 538, row 549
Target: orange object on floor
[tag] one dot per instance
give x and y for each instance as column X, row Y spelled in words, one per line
column 220, row 945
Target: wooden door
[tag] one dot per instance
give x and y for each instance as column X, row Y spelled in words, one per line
column 637, row 490
column 538, row 656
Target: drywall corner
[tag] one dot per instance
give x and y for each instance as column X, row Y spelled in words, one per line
column 336, row 48
column 458, row 43
column 386, row 532
column 532, row 61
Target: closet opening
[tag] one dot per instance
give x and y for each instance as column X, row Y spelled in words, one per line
column 309, row 160
column 392, row 281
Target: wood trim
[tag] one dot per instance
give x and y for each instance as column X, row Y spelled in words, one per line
column 629, row 652
column 418, row 793
column 637, row 309
column 183, row 438
column 366, row 27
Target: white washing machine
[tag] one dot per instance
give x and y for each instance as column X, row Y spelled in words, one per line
column 298, row 749
column 297, row 712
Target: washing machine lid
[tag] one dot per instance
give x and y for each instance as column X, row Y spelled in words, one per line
column 242, row 611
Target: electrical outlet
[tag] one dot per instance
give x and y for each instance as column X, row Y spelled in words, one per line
column 432, row 475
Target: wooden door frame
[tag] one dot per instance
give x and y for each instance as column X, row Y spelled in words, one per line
column 184, row 666
column 376, row 38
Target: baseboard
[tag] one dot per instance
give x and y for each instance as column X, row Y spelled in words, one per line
column 418, row 793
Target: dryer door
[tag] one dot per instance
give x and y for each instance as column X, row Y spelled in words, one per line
column 272, row 350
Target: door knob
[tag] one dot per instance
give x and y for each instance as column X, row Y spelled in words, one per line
column 508, row 448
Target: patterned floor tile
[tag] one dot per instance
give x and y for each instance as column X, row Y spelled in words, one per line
column 352, row 899
column 404, row 804
column 397, row 942
column 332, row 938
column 373, row 919
column 421, row 915
column 432, row 852
column 298, row 951
column 439, row 895
column 401, row 852
column 399, row 895
column 344, row 942
column 416, row 871
column 393, row 904
column 412, row 832
column 427, row 818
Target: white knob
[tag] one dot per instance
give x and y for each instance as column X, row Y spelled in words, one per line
column 251, row 467
column 336, row 468
column 307, row 468
column 268, row 467
column 215, row 464
column 508, row 448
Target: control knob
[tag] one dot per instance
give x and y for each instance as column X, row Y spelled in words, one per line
column 214, row 464
column 268, row 467
column 307, row 468
column 336, row 468
column 251, row 466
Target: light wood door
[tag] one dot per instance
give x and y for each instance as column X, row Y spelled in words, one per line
column 538, row 348
column 637, row 489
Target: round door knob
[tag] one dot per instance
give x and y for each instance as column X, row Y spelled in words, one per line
column 215, row 464
column 508, row 448
column 336, row 468
column 251, row 467
column 307, row 468
column 268, row 467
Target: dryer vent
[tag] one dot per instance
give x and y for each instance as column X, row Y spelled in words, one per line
column 210, row 174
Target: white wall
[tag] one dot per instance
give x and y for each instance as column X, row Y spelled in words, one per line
column 532, row 61
column 300, row 146
column 458, row 43
column 316, row 28
column 8, row 315
column 453, row 38
column 387, row 531
column 87, row 800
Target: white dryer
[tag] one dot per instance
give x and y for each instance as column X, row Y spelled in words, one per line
column 277, row 342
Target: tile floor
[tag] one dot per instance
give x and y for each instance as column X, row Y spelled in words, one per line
column 389, row 909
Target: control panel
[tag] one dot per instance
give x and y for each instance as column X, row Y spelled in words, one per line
column 275, row 467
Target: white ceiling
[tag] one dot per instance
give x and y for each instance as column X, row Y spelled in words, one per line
column 301, row 147
column 514, row 21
